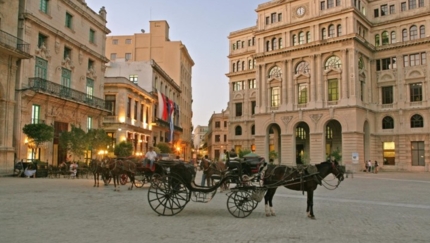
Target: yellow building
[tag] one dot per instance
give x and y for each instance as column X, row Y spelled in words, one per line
column 172, row 57
column 63, row 84
column 12, row 51
column 312, row 79
column 217, row 135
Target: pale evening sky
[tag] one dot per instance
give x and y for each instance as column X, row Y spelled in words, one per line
column 203, row 27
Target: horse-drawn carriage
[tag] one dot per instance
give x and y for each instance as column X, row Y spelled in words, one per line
column 175, row 187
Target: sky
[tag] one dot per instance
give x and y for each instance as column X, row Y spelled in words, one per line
column 203, row 27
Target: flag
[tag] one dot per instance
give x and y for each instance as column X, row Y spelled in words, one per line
column 171, row 115
column 160, row 105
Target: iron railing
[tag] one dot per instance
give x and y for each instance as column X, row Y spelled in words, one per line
column 48, row 87
column 14, row 42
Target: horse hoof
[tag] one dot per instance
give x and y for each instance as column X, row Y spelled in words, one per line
column 267, row 214
column 273, row 214
column 311, row 216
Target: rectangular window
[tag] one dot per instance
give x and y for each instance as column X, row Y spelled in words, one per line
column 238, row 109
column 133, row 78
column 333, row 93
column 92, row 36
column 136, row 106
column 69, row 20
column 110, row 103
column 386, row 63
column 44, row 6
column 89, row 123
column 267, row 20
column 392, row 9
column 225, row 123
column 112, row 56
column 384, row 10
column 253, row 104
column 127, row 41
column 66, row 78
column 35, row 114
column 420, row 3
column 416, row 92
column 217, row 138
column 238, row 85
column 142, row 112
column 273, row 18
column 217, row 124
column 90, row 89
column 330, row 4
column 127, row 56
column 403, row 6
column 275, row 96
column 279, row 17
column 389, row 153
column 322, row 5
column 418, row 155
column 225, row 137
column 129, row 107
column 67, row 53
column 412, row 4
column 41, row 68
column 42, row 41
column 387, row 95
column 376, row 13
column 252, row 84
column 114, row 41
column 303, row 94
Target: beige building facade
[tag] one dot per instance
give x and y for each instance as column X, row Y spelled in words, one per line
column 172, row 57
column 12, row 51
column 217, row 135
column 199, row 140
column 63, row 84
column 334, row 77
column 131, row 93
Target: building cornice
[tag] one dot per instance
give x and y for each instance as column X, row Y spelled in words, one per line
column 165, row 75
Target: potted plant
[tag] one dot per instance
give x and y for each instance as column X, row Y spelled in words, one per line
column 273, row 155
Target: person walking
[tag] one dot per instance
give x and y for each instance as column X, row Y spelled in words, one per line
column 369, row 166
column 376, row 167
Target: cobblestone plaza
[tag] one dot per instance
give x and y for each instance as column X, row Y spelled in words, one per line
column 384, row 207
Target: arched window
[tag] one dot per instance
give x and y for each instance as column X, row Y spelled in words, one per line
column 243, row 65
column 234, row 67
column 234, row 46
column 302, row 67
column 253, row 130
column 294, row 40
column 323, row 34
column 281, row 45
column 267, row 45
column 388, row 122
column 333, row 62
column 385, row 38
column 238, row 131
column 308, row 37
column 274, row 44
column 331, row 31
column 413, row 32
column 238, row 66
column 422, row 31
column 417, row 121
column 275, row 72
column 339, row 30
column 393, row 37
column 377, row 40
column 404, row 35
column 250, row 64
column 301, row 38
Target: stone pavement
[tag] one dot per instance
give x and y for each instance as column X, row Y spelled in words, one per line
column 385, row 207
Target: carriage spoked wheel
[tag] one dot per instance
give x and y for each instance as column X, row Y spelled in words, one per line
column 168, row 195
column 240, row 204
column 140, row 180
column 123, row 179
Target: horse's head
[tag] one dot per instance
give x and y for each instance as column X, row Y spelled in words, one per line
column 337, row 170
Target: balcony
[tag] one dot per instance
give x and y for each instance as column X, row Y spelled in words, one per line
column 163, row 123
column 15, row 44
column 41, row 85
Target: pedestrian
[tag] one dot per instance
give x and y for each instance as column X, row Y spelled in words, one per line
column 208, row 162
column 369, row 166
column 376, row 167
column 73, row 169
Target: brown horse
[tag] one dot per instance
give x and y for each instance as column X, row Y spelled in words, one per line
column 305, row 180
column 117, row 167
column 213, row 168
column 97, row 167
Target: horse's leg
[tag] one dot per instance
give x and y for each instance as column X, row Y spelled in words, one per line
column 268, row 198
column 310, row 202
column 131, row 176
column 95, row 182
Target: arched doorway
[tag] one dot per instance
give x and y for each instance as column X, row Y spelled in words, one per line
column 333, row 138
column 302, row 143
column 274, row 141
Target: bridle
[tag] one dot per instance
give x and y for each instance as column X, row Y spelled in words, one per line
column 336, row 171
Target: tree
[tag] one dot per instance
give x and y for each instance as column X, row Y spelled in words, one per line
column 97, row 139
column 74, row 141
column 123, row 149
column 244, row 152
column 38, row 134
column 164, row 147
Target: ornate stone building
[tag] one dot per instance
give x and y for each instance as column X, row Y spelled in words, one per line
column 217, row 135
column 131, row 93
column 63, row 84
column 315, row 78
column 173, row 58
column 12, row 51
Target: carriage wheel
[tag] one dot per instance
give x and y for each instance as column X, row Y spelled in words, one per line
column 123, row 179
column 141, row 181
column 168, row 195
column 240, row 204
column 106, row 179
